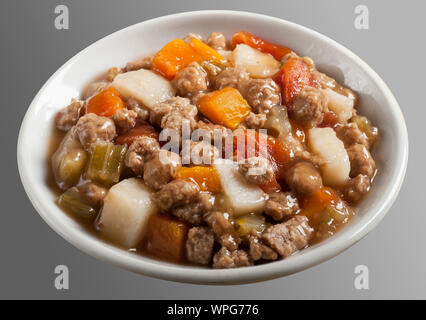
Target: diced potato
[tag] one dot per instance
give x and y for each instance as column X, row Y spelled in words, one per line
column 145, row 86
column 277, row 122
column 257, row 64
column 126, row 212
column 226, row 54
column 341, row 105
column 324, row 143
column 68, row 161
column 243, row 197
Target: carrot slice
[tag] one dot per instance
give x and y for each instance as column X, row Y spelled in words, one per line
column 206, row 177
column 105, row 103
column 206, row 52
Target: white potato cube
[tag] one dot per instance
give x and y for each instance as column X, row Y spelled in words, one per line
column 243, row 197
column 147, row 87
column 126, row 211
column 257, row 64
column 324, row 143
column 341, row 105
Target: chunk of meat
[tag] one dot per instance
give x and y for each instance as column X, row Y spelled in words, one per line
column 176, row 194
column 182, row 105
column 261, row 94
column 93, row 193
column 255, row 121
column 258, row 250
column 356, row 188
column 161, row 168
column 231, row 77
column 257, row 170
column 92, row 128
column 288, row 237
column 191, row 80
column 217, row 41
column 199, row 245
column 141, row 150
column 125, row 119
column 223, row 229
column 68, row 117
column 193, row 213
column 184, row 199
column 142, row 63
column 350, row 134
column 303, row 178
column 309, row 107
column 132, row 104
column 281, row 205
column 112, row 73
column 214, row 132
column 225, row 259
column 361, row 161
column 199, row 153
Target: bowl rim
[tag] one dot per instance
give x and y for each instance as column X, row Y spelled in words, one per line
column 124, row 259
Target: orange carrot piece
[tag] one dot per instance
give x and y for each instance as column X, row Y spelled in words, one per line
column 206, row 177
column 166, row 237
column 225, row 107
column 277, row 51
column 206, row 52
column 312, row 205
column 174, row 56
column 105, row 103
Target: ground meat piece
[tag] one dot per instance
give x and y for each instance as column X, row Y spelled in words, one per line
column 231, row 77
column 288, row 237
column 288, row 56
column 177, row 122
column 68, row 117
column 94, row 88
column 175, row 104
column 142, row 63
column 361, row 161
column 191, row 36
column 199, row 153
column 223, row 229
column 142, row 113
column 309, row 107
column 231, row 259
column 161, row 168
column 350, row 134
column 211, row 131
column 199, row 245
column 193, row 213
column 125, row 119
column 92, row 128
column 303, row 178
column 256, row 170
column 261, row 94
column 281, row 205
column 356, row 188
column 191, row 80
column 140, row 151
column 176, row 194
column 93, row 193
column 217, row 41
column 258, row 250
column 255, row 121
column 112, row 73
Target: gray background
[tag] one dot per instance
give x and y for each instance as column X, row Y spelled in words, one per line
column 32, row 49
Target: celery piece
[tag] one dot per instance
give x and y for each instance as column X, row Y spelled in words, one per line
column 365, row 125
column 71, row 166
column 212, row 69
column 106, row 163
column 277, row 122
column 72, row 201
column 250, row 223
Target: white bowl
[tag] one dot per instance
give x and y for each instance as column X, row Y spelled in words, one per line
column 377, row 102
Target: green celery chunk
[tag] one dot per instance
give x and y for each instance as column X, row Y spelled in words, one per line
column 250, row 224
column 277, row 122
column 72, row 166
column 72, row 201
column 106, row 163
